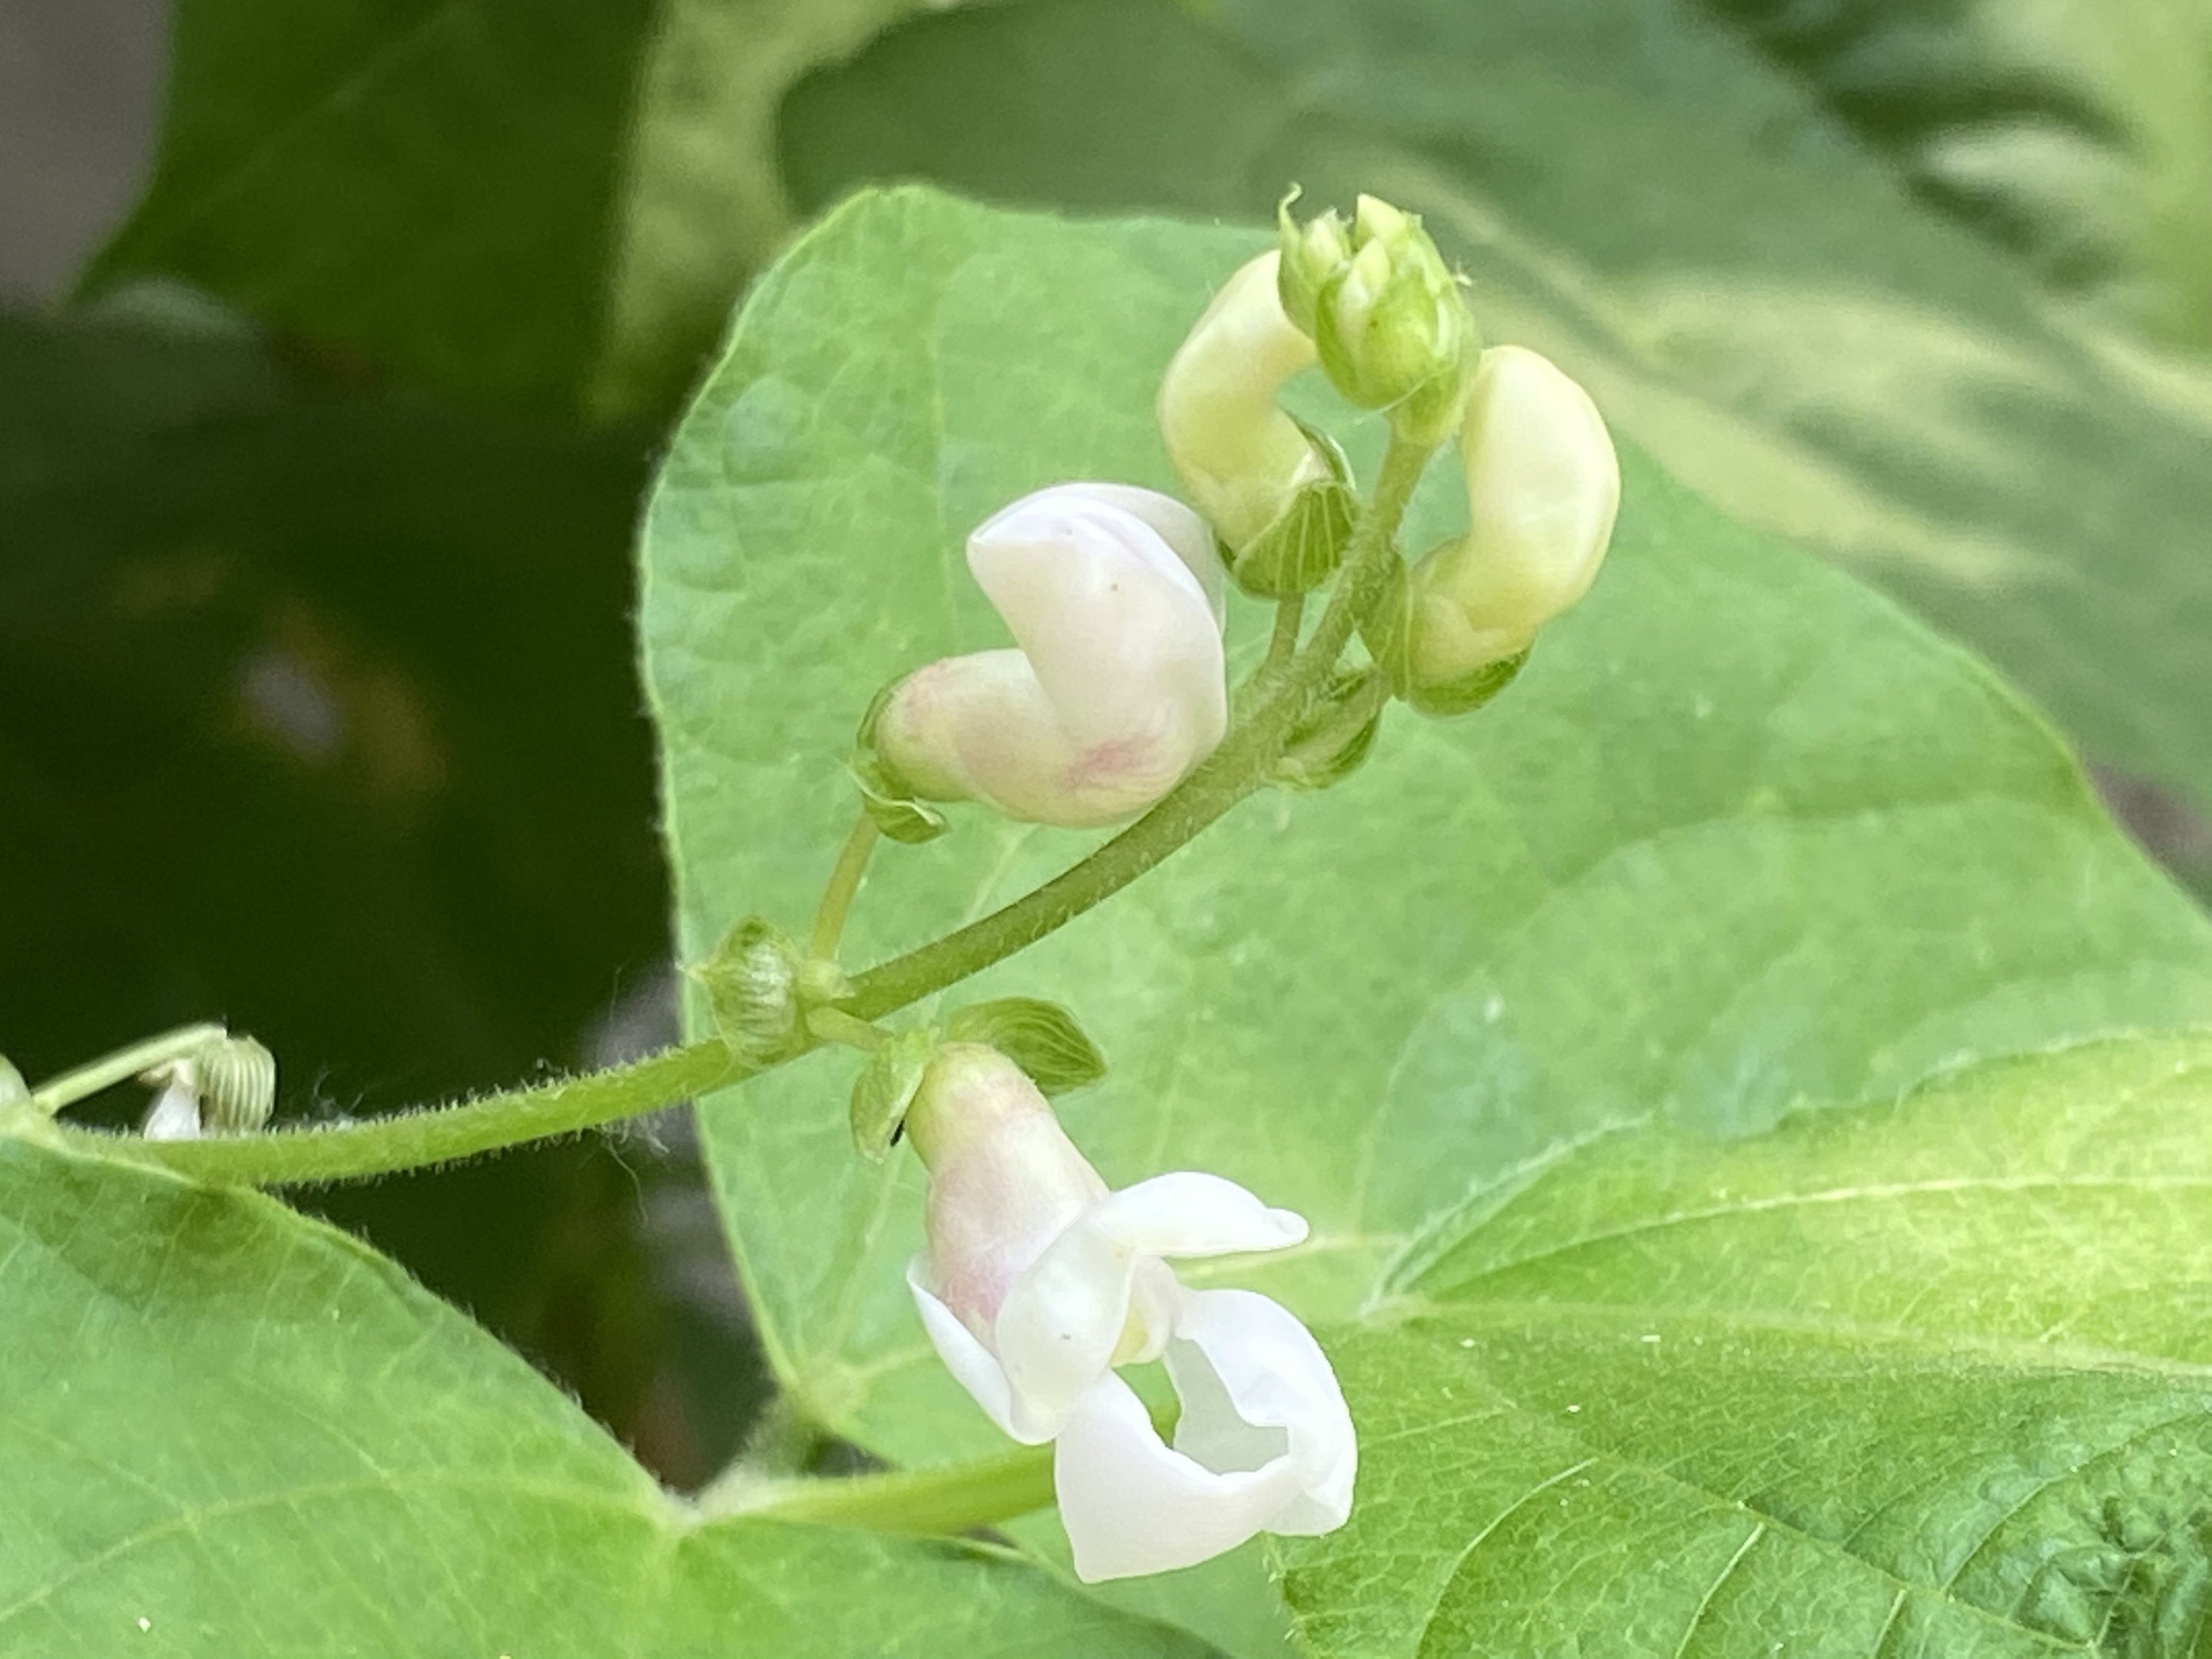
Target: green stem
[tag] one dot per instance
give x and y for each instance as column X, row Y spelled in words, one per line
column 834, row 1025
column 1240, row 766
column 837, row 896
column 87, row 1081
column 407, row 1141
column 1282, row 647
column 957, row 1499
column 1243, row 763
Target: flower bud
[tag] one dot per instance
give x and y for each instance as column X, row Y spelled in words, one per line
column 226, row 1086
column 1242, row 460
column 1117, row 689
column 752, row 987
column 1312, row 255
column 1387, row 316
column 1543, row 484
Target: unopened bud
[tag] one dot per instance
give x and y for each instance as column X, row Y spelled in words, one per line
column 225, row 1086
column 1387, row 316
column 1313, row 254
column 1543, row 485
column 1241, row 458
column 752, row 983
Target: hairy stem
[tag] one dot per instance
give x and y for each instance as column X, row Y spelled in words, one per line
column 1245, row 762
column 343, row 1152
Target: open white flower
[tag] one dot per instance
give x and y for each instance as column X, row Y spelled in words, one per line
column 1117, row 689
column 1038, row 1281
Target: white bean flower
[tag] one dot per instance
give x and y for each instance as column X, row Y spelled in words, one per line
column 1117, row 686
column 1038, row 1281
column 1240, row 457
column 1543, row 485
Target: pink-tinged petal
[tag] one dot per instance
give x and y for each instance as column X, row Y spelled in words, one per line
column 969, row 1360
column 174, row 1115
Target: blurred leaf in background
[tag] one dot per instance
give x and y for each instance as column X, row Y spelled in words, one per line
column 317, row 713
column 546, row 208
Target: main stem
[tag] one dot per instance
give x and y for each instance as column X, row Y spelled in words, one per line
column 1241, row 765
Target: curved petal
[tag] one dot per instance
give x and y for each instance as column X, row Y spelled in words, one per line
column 1255, row 1385
column 1132, row 1505
column 1065, row 1318
column 1120, row 632
column 1190, row 1213
column 174, row 1115
column 969, row 1360
column 1186, row 534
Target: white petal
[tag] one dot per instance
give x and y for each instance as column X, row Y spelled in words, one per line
column 1255, row 1384
column 174, row 1115
column 1190, row 1213
column 1122, row 637
column 1063, row 1320
column 1186, row 534
column 1132, row 1505
column 1239, row 456
column 979, row 727
column 969, row 1360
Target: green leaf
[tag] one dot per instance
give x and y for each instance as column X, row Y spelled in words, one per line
column 1930, row 1377
column 1740, row 838
column 541, row 207
column 1042, row 1038
column 1752, row 295
column 228, row 1432
column 2078, row 133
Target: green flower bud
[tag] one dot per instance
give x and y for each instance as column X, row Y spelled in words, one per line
column 1543, row 484
column 752, row 985
column 1389, row 321
column 226, row 1086
column 1312, row 256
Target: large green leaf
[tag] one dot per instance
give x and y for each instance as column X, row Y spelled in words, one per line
column 2079, row 132
column 1932, row 1377
column 1758, row 299
column 1741, row 839
column 545, row 206
column 226, row 1430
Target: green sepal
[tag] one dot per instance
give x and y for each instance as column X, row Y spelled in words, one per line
column 751, row 983
column 236, row 1079
column 1323, row 747
column 888, row 798
column 12, row 1086
column 1041, row 1037
column 901, row 817
column 1465, row 695
column 1302, row 549
column 884, row 1090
